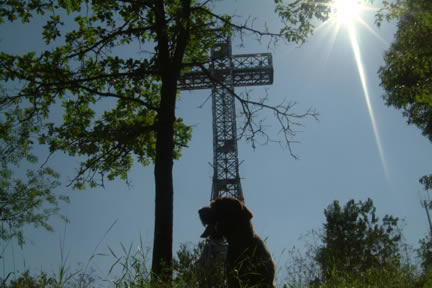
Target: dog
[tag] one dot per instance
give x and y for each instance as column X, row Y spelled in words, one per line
column 248, row 261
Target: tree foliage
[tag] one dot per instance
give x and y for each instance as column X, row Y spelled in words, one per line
column 84, row 72
column 300, row 16
column 407, row 73
column 425, row 253
column 354, row 240
column 29, row 199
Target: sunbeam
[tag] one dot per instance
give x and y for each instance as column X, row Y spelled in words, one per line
column 362, row 22
column 346, row 13
column 357, row 56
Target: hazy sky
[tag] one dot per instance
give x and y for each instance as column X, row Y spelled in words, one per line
column 339, row 156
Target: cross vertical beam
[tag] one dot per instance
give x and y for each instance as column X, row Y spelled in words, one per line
column 226, row 177
column 223, row 72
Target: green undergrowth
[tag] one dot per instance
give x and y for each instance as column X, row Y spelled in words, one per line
column 132, row 270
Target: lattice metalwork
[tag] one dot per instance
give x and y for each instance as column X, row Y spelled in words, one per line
column 222, row 73
column 248, row 70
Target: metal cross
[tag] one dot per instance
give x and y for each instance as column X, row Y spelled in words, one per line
column 222, row 73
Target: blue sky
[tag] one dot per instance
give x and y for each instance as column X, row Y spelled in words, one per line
column 339, row 158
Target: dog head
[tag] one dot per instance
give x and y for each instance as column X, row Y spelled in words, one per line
column 223, row 216
column 208, row 219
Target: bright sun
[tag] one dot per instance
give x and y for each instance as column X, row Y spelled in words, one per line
column 345, row 11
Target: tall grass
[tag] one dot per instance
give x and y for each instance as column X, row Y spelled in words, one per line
column 131, row 269
column 132, row 266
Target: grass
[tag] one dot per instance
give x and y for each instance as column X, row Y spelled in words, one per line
column 131, row 270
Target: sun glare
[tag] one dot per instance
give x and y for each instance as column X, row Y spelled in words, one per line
column 348, row 13
column 345, row 11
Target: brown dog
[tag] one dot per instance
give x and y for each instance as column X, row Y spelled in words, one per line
column 248, row 262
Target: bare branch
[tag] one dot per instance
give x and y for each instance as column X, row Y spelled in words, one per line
column 253, row 128
column 243, row 27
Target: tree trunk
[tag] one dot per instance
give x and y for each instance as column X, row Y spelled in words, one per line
column 169, row 68
column 163, row 233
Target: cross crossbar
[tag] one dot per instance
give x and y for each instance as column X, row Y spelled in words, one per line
column 248, row 70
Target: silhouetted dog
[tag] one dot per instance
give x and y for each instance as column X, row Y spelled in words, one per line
column 248, row 262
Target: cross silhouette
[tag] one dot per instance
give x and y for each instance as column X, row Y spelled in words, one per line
column 222, row 73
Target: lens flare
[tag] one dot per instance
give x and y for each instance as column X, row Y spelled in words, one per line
column 360, row 68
